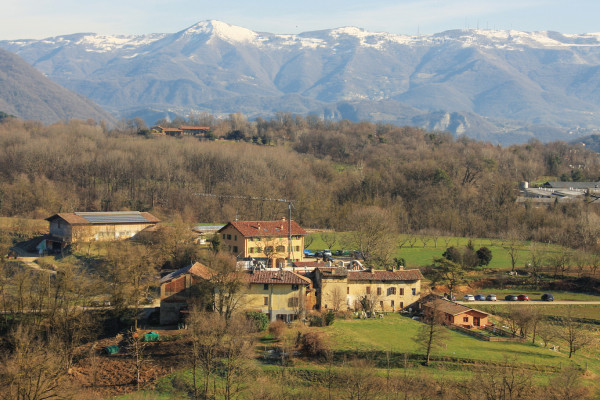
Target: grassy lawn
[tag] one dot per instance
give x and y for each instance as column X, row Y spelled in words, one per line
column 424, row 252
column 396, row 334
column 549, row 309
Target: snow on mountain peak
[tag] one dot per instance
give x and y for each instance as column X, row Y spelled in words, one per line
column 222, row 30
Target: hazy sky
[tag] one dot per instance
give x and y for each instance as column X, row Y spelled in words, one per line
column 20, row 19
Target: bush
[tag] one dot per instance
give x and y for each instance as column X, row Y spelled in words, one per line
column 277, row 328
column 316, row 320
column 260, row 320
column 329, row 318
column 314, row 344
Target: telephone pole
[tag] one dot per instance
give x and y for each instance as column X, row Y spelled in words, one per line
column 289, row 203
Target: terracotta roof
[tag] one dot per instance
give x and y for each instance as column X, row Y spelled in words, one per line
column 201, row 128
column 450, row 307
column 333, row 272
column 265, row 228
column 110, row 217
column 382, row 275
column 309, row 264
column 197, row 269
column 277, row 277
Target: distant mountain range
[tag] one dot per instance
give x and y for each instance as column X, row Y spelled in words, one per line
column 501, row 86
column 27, row 93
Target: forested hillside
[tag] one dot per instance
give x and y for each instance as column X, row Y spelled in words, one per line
column 425, row 181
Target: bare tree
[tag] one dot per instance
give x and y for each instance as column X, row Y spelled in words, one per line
column 337, row 298
column 236, row 353
column 576, row 334
column 432, row 334
column 137, row 350
column 206, row 333
column 32, row 371
column 329, row 238
column 373, row 234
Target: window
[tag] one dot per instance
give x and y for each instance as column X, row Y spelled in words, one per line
column 266, row 286
column 235, row 249
column 266, row 300
column 293, row 302
column 392, row 303
column 280, row 249
column 235, row 238
column 296, row 248
column 391, row 291
column 269, row 249
column 401, row 304
column 381, row 304
column 414, row 291
column 259, row 249
column 465, row 319
column 228, row 237
column 250, row 250
column 347, row 289
column 401, row 291
column 224, row 236
column 378, row 291
column 294, row 287
column 368, row 289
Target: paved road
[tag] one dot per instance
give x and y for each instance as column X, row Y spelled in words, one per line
column 532, row 302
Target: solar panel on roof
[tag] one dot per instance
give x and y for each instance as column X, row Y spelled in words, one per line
column 112, row 217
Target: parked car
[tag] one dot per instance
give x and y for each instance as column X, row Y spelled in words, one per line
column 480, row 297
column 491, row 297
column 308, row 253
column 469, row 297
column 319, row 254
column 327, row 253
column 511, row 297
column 523, row 297
column 547, row 297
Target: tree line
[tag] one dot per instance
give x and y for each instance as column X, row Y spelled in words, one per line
column 425, row 181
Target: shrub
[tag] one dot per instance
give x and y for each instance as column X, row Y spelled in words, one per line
column 314, row 344
column 316, row 320
column 329, row 318
column 260, row 320
column 277, row 328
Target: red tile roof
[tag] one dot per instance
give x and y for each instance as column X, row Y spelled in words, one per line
column 265, row 228
column 450, row 307
column 194, row 128
column 381, row 275
column 277, row 277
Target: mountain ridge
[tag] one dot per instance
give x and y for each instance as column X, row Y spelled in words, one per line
column 500, row 84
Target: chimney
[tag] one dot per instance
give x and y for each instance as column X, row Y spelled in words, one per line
column 258, row 226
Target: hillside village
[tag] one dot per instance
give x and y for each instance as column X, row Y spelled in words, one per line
column 395, row 278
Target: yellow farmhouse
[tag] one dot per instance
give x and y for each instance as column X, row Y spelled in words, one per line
column 265, row 241
column 343, row 289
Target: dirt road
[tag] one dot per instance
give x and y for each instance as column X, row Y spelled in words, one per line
column 534, row 302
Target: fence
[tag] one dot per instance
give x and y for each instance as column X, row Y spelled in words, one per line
column 505, row 336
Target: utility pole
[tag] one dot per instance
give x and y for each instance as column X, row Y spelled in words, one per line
column 289, row 202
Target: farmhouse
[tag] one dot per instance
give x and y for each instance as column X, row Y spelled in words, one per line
column 177, row 290
column 264, row 241
column 339, row 288
column 282, row 295
column 66, row 228
column 451, row 313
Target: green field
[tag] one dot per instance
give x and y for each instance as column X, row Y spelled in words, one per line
column 395, row 333
column 423, row 253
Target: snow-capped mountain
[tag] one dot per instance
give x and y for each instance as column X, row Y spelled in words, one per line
column 502, row 86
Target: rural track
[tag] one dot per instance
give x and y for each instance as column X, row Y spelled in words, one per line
column 531, row 302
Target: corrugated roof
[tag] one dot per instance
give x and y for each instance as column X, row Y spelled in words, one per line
column 110, row 217
column 277, row 277
column 382, row 275
column 265, row 228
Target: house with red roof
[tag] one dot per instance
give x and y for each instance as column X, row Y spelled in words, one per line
column 280, row 294
column 264, row 241
column 339, row 288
